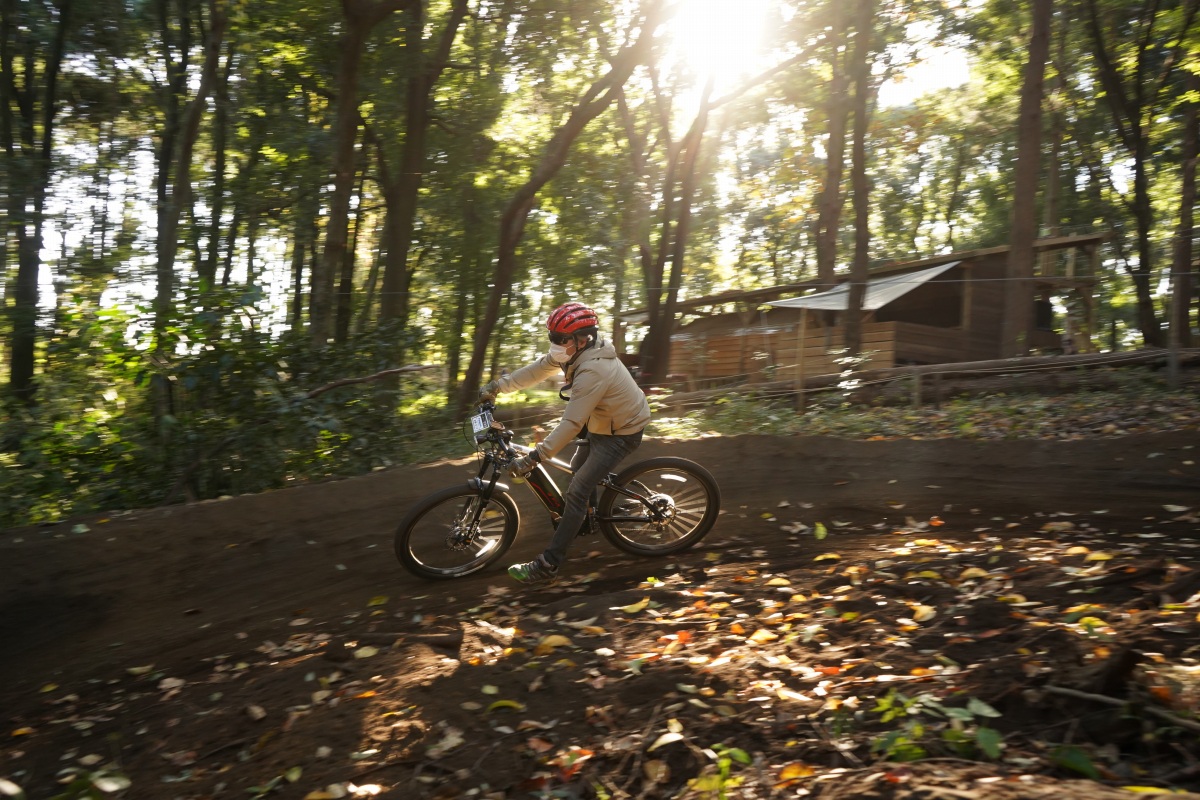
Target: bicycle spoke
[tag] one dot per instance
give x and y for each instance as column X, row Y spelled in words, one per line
column 447, row 539
column 685, row 501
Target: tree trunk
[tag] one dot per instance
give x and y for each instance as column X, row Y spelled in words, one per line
column 829, row 211
column 862, row 234
column 402, row 195
column 1181, row 267
column 345, row 294
column 300, row 243
column 345, row 132
column 596, row 99
column 179, row 197
column 361, row 16
column 32, row 159
column 1018, row 296
column 1134, row 111
column 657, row 345
column 220, row 132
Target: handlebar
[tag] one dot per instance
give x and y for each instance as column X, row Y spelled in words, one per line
column 505, row 449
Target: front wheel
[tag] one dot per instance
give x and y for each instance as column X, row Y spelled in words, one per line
column 456, row 532
column 681, row 503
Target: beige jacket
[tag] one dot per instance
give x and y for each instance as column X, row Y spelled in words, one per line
column 604, row 396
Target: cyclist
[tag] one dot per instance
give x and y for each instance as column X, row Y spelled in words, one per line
column 602, row 398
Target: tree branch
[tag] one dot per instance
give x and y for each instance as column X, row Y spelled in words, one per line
column 377, row 376
column 1163, row 714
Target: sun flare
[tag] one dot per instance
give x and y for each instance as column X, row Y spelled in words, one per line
column 720, row 39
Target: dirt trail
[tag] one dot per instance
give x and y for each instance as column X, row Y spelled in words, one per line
column 176, row 586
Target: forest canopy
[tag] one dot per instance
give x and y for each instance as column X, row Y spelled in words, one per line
column 212, row 207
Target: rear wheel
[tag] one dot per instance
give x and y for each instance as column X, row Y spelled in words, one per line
column 682, row 503
column 456, row 532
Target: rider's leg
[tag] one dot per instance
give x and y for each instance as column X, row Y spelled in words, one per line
column 605, row 452
column 577, row 461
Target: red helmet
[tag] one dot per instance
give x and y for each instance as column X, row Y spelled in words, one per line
column 571, row 318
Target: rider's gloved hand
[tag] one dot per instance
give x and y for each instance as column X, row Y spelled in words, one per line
column 525, row 464
column 488, row 392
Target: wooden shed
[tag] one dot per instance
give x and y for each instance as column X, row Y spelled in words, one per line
column 936, row 310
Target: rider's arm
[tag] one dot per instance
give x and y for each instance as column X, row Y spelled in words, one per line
column 529, row 375
column 586, row 390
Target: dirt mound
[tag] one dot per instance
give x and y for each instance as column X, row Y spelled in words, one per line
column 1023, row 614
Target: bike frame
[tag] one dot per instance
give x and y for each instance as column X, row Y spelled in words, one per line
column 545, row 489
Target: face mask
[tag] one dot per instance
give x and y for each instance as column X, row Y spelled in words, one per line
column 558, row 354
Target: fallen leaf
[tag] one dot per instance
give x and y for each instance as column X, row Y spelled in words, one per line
column 366, row 652
column 656, row 771
column 452, row 739
column 793, row 772
column 923, row 613
column 538, row 744
column 762, row 636
column 379, row 600
column 1099, row 557
column 634, row 608
column 665, row 739
column 503, row 704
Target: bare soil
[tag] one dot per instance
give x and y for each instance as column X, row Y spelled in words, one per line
column 270, row 645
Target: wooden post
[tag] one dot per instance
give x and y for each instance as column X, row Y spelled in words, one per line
column 1173, row 333
column 937, row 389
column 1089, row 319
column 967, row 300
column 801, row 401
column 916, row 392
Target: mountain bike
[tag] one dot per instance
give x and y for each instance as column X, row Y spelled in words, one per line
column 655, row 507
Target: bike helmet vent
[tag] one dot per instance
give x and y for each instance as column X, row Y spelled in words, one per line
column 570, row 318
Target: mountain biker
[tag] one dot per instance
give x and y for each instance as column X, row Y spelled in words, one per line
column 602, row 397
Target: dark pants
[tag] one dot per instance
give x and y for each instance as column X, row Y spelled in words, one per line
column 591, row 465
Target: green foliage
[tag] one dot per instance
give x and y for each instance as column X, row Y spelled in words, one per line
column 924, row 725
column 238, row 419
column 1132, row 400
column 86, row 784
column 716, row 782
column 1075, row 759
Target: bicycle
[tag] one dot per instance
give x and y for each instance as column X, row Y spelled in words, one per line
column 655, row 507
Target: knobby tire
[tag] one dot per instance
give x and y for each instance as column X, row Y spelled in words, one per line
column 692, row 488
column 422, row 537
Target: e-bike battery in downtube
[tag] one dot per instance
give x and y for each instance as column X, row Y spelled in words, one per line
column 543, row 486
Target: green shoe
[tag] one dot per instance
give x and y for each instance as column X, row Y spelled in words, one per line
column 532, row 572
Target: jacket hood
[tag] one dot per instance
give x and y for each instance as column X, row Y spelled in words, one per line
column 601, row 349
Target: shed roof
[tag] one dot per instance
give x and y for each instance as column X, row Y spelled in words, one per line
column 762, row 295
column 880, row 291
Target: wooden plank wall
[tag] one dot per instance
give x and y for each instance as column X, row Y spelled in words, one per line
column 987, row 307
column 717, row 357
column 705, row 358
